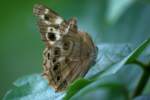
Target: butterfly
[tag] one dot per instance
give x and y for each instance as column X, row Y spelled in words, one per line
column 69, row 53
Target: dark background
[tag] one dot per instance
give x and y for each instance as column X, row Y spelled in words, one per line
column 107, row 21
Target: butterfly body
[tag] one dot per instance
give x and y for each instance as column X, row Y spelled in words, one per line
column 69, row 53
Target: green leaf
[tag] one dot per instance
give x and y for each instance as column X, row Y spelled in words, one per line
column 147, row 88
column 131, row 57
column 31, row 87
column 145, row 56
column 108, row 55
column 143, row 97
column 129, row 75
column 75, row 87
column 137, row 52
column 106, row 88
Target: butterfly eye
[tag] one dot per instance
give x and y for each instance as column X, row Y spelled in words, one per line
column 46, row 17
column 51, row 36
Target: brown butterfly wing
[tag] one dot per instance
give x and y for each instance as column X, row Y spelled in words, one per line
column 80, row 56
column 49, row 24
column 68, row 53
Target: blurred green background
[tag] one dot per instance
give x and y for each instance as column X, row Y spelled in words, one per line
column 107, row 21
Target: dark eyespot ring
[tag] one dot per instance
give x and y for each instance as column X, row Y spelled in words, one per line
column 51, row 29
column 48, row 55
column 66, row 45
column 54, row 60
column 56, row 66
column 46, row 17
column 57, row 27
column 66, row 60
column 51, row 36
column 57, row 51
column 58, row 78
